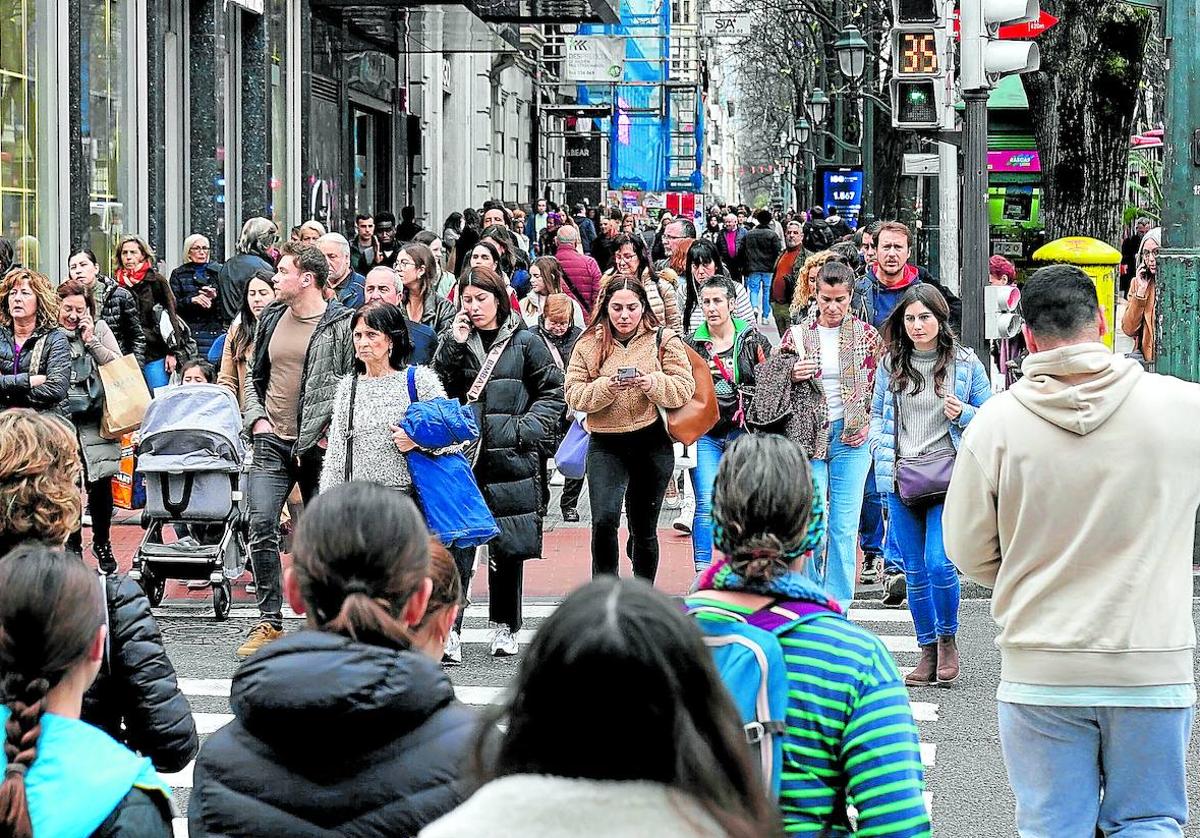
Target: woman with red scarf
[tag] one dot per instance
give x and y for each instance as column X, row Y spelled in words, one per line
column 168, row 341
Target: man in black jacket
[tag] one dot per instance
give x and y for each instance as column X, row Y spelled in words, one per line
column 730, row 242
column 759, row 252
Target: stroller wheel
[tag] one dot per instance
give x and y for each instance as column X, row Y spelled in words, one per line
column 154, row 586
column 222, row 600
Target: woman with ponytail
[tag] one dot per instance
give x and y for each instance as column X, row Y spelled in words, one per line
column 850, row 737
column 61, row 776
column 346, row 726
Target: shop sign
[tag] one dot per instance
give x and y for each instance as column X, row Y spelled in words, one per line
column 726, row 25
column 1014, row 161
column 594, row 58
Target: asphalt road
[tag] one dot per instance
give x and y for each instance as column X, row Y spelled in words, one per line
column 965, row 771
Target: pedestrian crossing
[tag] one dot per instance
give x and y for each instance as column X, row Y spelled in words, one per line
column 209, row 695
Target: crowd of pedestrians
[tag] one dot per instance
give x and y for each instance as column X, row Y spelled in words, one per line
column 803, row 464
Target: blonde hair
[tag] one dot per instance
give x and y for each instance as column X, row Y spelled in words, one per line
column 316, row 226
column 806, row 281
column 39, row 467
column 43, row 291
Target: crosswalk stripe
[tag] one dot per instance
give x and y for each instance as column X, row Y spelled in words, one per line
column 179, row 828
column 218, row 687
column 928, row 754
column 483, row 636
column 211, row 722
column 201, row 608
column 880, row 615
column 924, row 711
column 180, row 779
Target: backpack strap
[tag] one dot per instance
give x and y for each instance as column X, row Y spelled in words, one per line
column 412, row 384
column 785, row 614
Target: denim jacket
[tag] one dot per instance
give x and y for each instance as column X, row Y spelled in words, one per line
column 972, row 387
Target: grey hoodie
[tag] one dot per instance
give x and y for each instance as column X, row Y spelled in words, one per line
column 1075, row 500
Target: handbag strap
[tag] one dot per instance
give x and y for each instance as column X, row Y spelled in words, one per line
column 485, row 372
column 412, row 385
column 558, row 358
column 350, row 430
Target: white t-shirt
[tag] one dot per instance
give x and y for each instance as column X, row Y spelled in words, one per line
column 831, row 371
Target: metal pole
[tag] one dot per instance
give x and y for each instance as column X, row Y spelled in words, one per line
column 1178, row 281
column 948, row 217
column 868, row 160
column 974, row 221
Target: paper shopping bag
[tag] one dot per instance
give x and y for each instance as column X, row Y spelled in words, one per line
column 126, row 397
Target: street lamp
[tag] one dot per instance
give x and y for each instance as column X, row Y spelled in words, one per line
column 851, row 52
column 793, row 148
column 803, row 130
column 818, row 104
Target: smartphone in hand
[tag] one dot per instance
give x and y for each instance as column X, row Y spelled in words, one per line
column 627, row 373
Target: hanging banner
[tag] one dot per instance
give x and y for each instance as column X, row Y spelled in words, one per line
column 594, row 58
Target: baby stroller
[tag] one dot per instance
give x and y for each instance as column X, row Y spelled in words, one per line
column 191, row 454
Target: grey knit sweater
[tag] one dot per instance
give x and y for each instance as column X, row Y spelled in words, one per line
column 379, row 403
column 924, row 427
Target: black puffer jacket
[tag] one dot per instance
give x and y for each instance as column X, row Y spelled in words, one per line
column 520, row 408
column 119, row 310
column 332, row 737
column 137, row 687
column 55, row 364
column 760, row 250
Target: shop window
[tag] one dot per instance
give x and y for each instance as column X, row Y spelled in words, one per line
column 103, row 108
column 21, row 152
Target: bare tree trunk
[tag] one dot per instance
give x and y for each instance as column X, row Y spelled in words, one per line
column 1083, row 102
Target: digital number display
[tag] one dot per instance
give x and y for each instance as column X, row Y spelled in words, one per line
column 918, row 54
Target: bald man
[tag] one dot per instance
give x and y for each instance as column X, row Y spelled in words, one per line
column 383, row 286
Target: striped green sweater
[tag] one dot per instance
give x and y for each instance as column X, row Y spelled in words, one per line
column 849, row 725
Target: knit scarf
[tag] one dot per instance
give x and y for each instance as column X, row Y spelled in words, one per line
column 128, row 279
column 793, row 585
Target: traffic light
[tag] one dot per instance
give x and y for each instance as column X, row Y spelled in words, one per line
column 984, row 58
column 1001, row 319
column 921, row 63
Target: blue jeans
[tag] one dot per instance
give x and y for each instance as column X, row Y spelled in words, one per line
column 870, row 524
column 932, row 580
column 155, row 373
column 1073, row 769
column 709, row 450
column 840, row 479
column 759, row 286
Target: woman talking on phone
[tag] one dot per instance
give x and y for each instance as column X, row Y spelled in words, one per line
column 487, row 358
column 926, row 393
column 624, row 368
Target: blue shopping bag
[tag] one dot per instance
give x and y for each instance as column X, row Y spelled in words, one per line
column 571, row 457
column 447, row 493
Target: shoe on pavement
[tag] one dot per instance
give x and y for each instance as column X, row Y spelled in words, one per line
column 947, row 660
column 895, row 590
column 570, row 516
column 683, row 524
column 104, row 557
column 503, row 644
column 924, row 674
column 452, row 655
column 259, row 636
column 871, row 570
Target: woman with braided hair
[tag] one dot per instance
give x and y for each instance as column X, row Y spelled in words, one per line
column 347, row 726
column 136, row 698
column 850, row 737
column 62, row 777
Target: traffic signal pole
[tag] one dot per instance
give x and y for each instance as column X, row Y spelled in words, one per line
column 1178, row 282
column 976, row 244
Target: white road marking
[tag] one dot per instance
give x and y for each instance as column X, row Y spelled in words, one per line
column 881, row 615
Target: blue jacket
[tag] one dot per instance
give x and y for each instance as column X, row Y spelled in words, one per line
column 82, row 777
column 971, row 387
column 353, row 290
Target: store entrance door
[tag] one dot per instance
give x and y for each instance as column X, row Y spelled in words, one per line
column 371, row 141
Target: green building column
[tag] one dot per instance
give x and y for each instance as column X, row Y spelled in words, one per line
column 1178, row 283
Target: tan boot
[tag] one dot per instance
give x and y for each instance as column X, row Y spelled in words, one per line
column 947, row 660
column 925, row 673
column 260, row 636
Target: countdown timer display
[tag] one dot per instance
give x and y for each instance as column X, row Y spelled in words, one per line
column 918, row 54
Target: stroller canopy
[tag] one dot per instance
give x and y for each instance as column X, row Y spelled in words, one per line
column 196, row 427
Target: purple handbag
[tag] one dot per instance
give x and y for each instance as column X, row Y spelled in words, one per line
column 571, row 457
column 921, row 481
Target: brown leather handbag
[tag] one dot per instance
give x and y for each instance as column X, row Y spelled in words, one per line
column 700, row 413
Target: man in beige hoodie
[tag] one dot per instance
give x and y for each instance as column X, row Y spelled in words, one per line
column 1074, row 498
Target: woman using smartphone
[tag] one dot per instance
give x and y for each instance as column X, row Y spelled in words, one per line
column 623, row 370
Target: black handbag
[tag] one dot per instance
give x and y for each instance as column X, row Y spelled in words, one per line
column 85, row 397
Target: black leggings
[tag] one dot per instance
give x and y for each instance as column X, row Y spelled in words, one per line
column 100, row 507
column 505, row 581
column 633, row 467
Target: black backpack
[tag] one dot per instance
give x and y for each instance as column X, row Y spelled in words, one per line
column 817, row 236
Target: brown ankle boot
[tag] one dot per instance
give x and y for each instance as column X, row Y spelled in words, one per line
column 925, row 673
column 947, row 659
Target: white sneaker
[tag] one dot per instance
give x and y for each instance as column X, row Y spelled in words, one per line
column 504, row 645
column 452, row 656
column 683, row 524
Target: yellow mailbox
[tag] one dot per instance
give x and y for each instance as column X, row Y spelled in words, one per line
column 1098, row 260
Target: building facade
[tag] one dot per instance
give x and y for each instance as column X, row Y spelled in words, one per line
column 169, row 117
